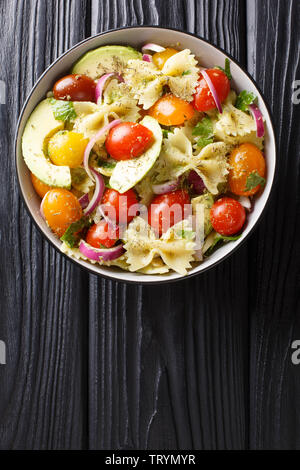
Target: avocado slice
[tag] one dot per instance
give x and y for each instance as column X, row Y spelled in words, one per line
column 40, row 126
column 105, row 59
column 127, row 173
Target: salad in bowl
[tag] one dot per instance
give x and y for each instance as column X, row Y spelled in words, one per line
column 145, row 160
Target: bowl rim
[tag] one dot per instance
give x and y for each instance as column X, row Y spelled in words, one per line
column 163, row 280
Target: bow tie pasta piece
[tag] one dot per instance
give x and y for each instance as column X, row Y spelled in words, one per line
column 175, row 157
column 118, row 100
column 144, row 190
column 81, row 180
column 145, row 80
column 212, row 166
column 182, row 74
column 157, row 266
column 142, row 247
column 90, row 123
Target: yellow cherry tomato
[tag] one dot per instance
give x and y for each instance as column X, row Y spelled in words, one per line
column 171, row 110
column 67, row 148
column 160, row 58
column 60, row 208
column 40, row 188
column 244, row 161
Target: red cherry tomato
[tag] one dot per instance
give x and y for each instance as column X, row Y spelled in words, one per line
column 102, row 234
column 118, row 205
column 128, row 140
column 75, row 88
column 227, row 216
column 167, row 209
column 203, row 99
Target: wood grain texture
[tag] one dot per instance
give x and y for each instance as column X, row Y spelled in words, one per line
column 168, row 365
column 201, row 364
column 44, row 298
column 273, row 59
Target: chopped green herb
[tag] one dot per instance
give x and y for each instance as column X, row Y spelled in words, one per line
column 63, row 110
column 74, row 232
column 253, row 180
column 218, row 240
column 106, row 164
column 204, row 129
column 186, row 72
column 187, row 234
column 244, row 99
column 227, row 68
column 165, row 133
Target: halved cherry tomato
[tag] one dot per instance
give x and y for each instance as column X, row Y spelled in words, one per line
column 75, row 88
column 203, row 99
column 61, row 208
column 167, row 209
column 160, row 58
column 128, row 140
column 227, row 216
column 102, row 234
column 118, row 205
column 40, row 188
column 244, row 160
column 170, row 110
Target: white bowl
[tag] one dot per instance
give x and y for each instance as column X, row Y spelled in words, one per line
column 209, row 56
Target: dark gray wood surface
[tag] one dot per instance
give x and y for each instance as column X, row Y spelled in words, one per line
column 200, row 364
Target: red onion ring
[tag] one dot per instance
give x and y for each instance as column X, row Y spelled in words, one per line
column 196, row 181
column 165, row 187
column 152, row 47
column 212, row 90
column 100, row 254
column 147, row 58
column 258, row 117
column 98, row 193
column 84, row 200
column 92, row 142
column 101, row 84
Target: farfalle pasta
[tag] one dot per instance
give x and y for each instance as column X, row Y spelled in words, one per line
column 144, row 160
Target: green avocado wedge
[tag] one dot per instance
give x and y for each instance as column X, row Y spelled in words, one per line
column 40, row 126
column 105, row 59
column 127, row 173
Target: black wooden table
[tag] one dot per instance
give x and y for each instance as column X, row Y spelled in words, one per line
column 200, row 364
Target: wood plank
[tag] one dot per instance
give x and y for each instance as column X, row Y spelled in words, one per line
column 273, row 59
column 43, row 304
column 168, row 364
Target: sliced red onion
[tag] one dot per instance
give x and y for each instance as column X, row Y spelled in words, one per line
column 100, row 254
column 92, row 142
column 84, row 200
column 165, row 187
column 246, row 202
column 196, row 181
column 101, row 84
column 152, row 47
column 98, row 193
column 258, row 117
column 212, row 90
column 147, row 58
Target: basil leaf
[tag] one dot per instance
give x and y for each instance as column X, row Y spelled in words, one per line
column 63, row 110
column 106, row 164
column 227, row 69
column 204, row 129
column 253, row 180
column 244, row 99
column 218, row 240
column 74, row 232
column 186, row 72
